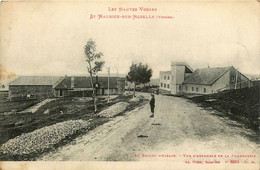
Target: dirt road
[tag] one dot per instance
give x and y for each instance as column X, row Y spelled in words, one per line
column 179, row 129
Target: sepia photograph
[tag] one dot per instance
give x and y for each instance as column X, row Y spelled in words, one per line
column 129, row 84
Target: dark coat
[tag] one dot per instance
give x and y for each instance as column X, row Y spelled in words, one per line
column 152, row 102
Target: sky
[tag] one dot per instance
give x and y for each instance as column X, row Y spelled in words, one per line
column 47, row 38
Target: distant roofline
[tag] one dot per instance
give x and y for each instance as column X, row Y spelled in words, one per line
column 11, row 83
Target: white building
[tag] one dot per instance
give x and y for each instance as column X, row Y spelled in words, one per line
column 182, row 79
column 171, row 81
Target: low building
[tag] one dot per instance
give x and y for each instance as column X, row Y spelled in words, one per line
column 81, row 86
column 25, row 87
column 213, row 80
column 182, row 79
column 3, row 94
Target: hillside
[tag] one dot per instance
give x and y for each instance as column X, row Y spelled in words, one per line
column 241, row 105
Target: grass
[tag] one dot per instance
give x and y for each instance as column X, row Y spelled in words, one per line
column 241, row 105
column 8, row 106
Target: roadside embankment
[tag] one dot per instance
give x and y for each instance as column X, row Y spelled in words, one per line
column 241, row 105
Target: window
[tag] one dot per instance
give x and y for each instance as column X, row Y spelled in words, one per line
column 164, row 77
column 205, row 90
column 192, row 88
column 168, row 77
column 161, row 84
column 164, row 85
column 179, row 88
column 168, row 86
column 186, row 88
column 197, row 89
column 233, row 79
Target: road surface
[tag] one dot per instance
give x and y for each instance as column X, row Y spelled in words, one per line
column 179, row 129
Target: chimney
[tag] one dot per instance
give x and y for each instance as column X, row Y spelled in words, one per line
column 72, row 82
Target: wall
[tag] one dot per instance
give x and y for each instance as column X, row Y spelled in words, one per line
column 177, row 78
column 245, row 82
column 56, row 93
column 120, row 87
column 241, row 82
column 65, row 92
column 200, row 89
column 223, row 83
column 165, row 81
column 35, row 91
column 3, row 94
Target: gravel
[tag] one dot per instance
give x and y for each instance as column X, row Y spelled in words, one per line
column 114, row 110
column 43, row 138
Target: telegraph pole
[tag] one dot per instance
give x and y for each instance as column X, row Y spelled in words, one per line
column 108, row 85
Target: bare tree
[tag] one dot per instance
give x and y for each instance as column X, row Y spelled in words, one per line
column 94, row 64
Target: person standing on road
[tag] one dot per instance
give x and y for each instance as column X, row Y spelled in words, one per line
column 152, row 105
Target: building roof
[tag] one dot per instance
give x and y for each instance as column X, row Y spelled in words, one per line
column 206, row 76
column 85, row 82
column 35, row 80
column 112, row 82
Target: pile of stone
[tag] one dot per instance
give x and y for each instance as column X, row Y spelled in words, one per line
column 134, row 100
column 43, row 138
column 114, row 110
